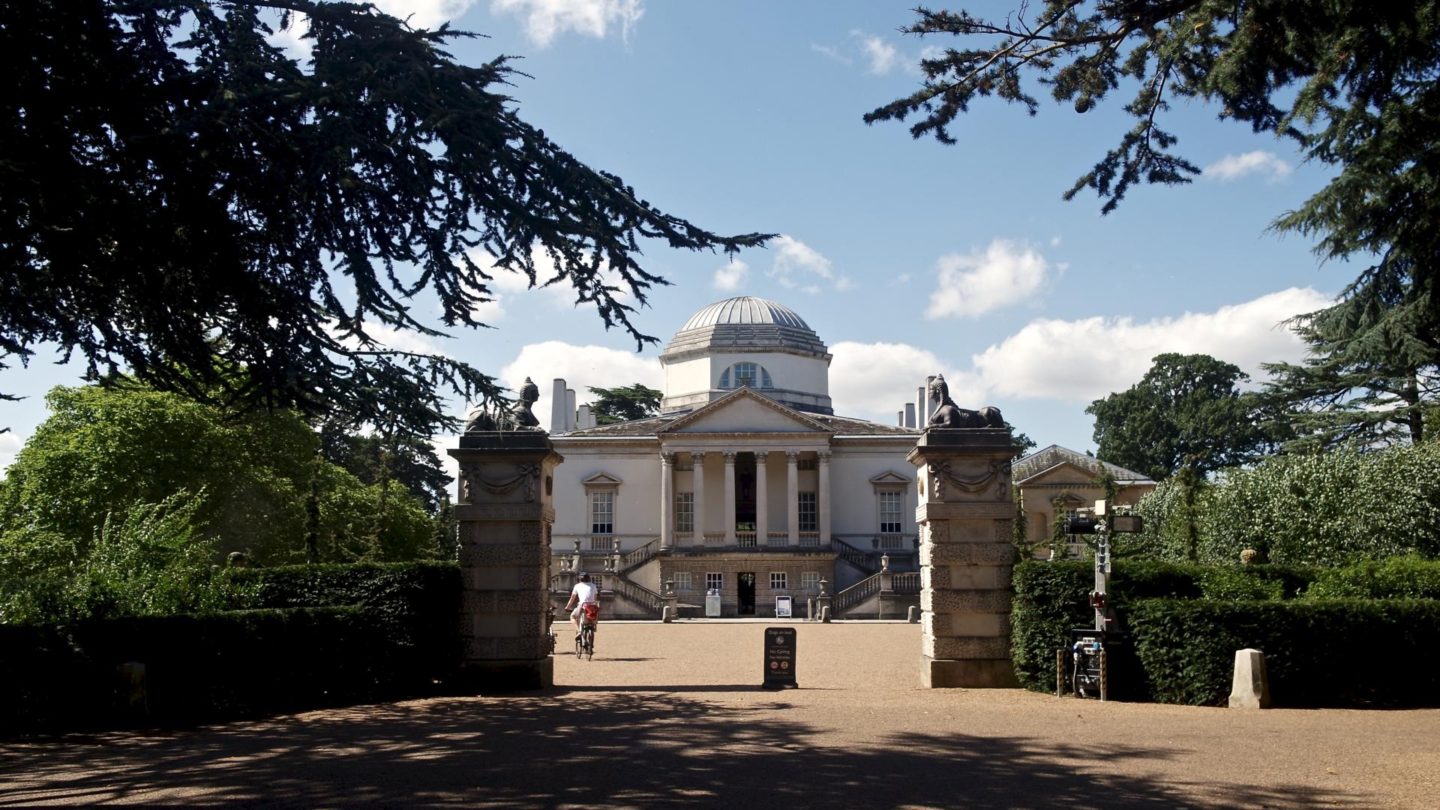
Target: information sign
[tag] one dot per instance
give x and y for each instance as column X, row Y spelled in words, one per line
column 779, row 658
column 782, row 607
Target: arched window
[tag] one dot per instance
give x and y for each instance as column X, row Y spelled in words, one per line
column 745, row 375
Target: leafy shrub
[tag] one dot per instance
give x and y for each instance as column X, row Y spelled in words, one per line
column 151, row 560
column 1396, row 578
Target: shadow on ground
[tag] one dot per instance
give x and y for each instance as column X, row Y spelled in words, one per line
column 576, row 748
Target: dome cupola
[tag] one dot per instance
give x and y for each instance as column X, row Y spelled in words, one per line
column 746, row 342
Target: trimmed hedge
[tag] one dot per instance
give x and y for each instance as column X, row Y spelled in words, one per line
column 198, row 668
column 1396, row 578
column 298, row 637
column 416, row 603
column 1183, row 623
column 1364, row 653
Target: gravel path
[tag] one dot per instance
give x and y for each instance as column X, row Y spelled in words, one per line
column 671, row 715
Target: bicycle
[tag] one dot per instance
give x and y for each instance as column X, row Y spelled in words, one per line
column 589, row 620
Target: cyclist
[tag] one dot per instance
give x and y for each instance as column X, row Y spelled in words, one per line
column 584, row 593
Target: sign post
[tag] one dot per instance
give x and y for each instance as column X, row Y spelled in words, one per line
column 779, row 658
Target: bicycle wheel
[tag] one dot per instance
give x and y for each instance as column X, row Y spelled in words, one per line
column 580, row 643
column 588, row 637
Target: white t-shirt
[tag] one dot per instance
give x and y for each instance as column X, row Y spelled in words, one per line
column 585, row 593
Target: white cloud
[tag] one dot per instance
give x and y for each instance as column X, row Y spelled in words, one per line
column 832, row 52
column 544, row 19
column 580, row 367
column 1083, row 360
column 972, row 284
column 1235, row 167
column 874, row 380
column 10, row 444
column 731, row 277
column 793, row 258
column 881, row 55
column 425, row 13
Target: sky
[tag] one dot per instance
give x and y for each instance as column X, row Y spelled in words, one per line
column 907, row 257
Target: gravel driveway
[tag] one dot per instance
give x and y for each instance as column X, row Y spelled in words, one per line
column 672, row 716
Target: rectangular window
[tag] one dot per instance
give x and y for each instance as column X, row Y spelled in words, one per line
column 890, row 505
column 808, row 512
column 602, row 512
column 714, row 581
column 807, row 464
column 684, row 511
column 683, row 581
column 809, row 580
column 779, row 581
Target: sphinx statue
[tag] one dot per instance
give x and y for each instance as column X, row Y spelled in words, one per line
column 518, row 417
column 949, row 415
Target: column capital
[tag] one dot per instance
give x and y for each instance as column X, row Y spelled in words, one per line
column 697, row 455
column 823, row 455
column 667, row 457
column 730, row 456
column 761, row 454
column 792, row 456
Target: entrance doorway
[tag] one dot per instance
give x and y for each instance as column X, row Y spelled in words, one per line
column 745, row 593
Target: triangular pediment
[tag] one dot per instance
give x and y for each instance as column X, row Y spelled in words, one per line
column 602, row 479
column 891, row 477
column 1064, row 473
column 745, row 411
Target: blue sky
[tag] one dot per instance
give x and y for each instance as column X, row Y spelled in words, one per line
column 907, row 257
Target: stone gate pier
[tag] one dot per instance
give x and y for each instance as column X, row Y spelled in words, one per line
column 966, row 557
column 505, row 511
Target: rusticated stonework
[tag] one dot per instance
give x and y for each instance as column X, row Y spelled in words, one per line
column 504, row 513
column 966, row 558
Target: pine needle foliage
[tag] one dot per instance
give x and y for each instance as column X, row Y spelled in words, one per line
column 171, row 176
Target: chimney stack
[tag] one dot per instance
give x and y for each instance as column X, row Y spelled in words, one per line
column 557, row 406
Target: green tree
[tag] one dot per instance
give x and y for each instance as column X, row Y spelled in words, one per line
column 1186, row 412
column 377, row 458
column 624, row 404
column 1352, row 84
column 170, row 177
column 104, row 452
column 1372, row 375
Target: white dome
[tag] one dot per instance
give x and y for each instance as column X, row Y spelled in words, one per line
column 745, row 310
column 746, row 342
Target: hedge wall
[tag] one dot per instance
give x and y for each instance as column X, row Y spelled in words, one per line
column 417, row 604
column 1183, row 624
column 298, row 638
column 1364, row 653
column 197, row 668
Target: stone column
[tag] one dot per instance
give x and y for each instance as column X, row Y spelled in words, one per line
column 667, row 500
column 698, row 460
column 504, row 512
column 729, row 497
column 822, row 497
column 792, row 495
column 966, row 557
column 762, row 501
